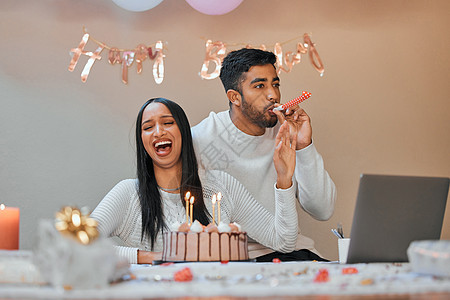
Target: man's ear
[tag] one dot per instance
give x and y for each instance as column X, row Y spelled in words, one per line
column 234, row 97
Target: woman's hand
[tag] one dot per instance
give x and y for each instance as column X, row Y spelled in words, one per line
column 147, row 257
column 284, row 155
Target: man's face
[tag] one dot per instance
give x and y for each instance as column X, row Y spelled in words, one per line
column 260, row 90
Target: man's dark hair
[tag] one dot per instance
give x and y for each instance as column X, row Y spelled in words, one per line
column 240, row 61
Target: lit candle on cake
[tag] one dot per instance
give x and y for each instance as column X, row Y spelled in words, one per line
column 188, row 195
column 219, row 197
column 192, row 207
column 213, row 203
column 9, row 227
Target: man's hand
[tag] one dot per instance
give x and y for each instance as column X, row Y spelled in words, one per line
column 284, row 156
column 299, row 122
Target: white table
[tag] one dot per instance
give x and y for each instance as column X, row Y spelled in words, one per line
column 243, row 280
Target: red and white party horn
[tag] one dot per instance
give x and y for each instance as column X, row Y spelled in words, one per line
column 293, row 102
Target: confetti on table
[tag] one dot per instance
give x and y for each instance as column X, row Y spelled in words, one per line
column 322, row 276
column 349, row 270
column 183, row 275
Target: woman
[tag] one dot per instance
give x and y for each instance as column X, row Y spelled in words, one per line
column 138, row 210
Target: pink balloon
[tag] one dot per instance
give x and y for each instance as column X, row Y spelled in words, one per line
column 214, row 7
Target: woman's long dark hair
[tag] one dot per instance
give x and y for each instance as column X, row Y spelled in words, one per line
column 150, row 198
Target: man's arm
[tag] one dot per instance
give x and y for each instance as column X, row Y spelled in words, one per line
column 315, row 189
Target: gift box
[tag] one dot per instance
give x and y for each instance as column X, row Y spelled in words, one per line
column 66, row 262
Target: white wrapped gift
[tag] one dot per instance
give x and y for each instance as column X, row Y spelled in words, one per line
column 64, row 262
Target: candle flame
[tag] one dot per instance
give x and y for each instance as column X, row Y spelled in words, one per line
column 219, row 196
column 2, row 206
column 192, row 199
column 213, row 199
column 188, row 195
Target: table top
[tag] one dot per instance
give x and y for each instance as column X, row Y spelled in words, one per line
column 19, row 278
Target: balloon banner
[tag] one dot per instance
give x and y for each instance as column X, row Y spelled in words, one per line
column 215, row 52
column 124, row 57
column 212, row 63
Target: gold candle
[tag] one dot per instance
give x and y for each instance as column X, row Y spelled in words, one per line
column 219, row 197
column 213, row 211
column 188, row 195
column 192, row 207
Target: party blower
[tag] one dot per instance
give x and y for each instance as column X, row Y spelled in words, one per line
column 293, row 102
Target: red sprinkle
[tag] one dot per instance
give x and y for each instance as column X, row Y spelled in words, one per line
column 224, row 262
column 349, row 270
column 322, row 276
column 276, row 260
column 167, row 264
column 183, row 275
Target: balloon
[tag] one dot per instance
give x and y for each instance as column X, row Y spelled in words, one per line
column 290, row 58
column 127, row 61
column 214, row 53
column 158, row 65
column 114, row 56
column 214, row 7
column 141, row 53
column 137, row 5
column 313, row 54
column 78, row 51
column 93, row 57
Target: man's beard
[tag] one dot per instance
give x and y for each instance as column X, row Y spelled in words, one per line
column 257, row 117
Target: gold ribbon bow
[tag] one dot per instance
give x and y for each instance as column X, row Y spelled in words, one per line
column 70, row 221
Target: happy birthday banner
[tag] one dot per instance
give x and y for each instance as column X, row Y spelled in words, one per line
column 124, row 57
column 215, row 53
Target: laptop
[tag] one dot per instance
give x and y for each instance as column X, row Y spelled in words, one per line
column 393, row 211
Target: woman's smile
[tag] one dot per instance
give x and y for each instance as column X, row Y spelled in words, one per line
column 163, row 147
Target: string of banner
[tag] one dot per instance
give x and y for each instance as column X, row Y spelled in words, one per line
column 215, row 53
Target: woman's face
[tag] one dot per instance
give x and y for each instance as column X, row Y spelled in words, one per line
column 161, row 136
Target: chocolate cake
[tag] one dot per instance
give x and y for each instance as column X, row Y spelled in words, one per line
column 209, row 244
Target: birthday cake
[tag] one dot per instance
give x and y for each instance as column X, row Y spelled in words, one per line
column 196, row 242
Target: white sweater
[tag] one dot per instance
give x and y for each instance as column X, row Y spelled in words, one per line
column 220, row 145
column 119, row 214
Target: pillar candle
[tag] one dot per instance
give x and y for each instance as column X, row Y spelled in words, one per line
column 192, row 207
column 9, row 227
column 188, row 194
column 219, row 197
column 213, row 200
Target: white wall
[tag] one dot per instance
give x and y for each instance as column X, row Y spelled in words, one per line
column 382, row 106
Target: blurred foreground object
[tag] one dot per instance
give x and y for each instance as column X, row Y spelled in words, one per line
column 430, row 257
column 70, row 254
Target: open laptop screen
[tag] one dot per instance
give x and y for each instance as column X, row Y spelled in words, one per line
column 393, row 211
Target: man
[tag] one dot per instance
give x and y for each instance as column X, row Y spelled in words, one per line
column 241, row 142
